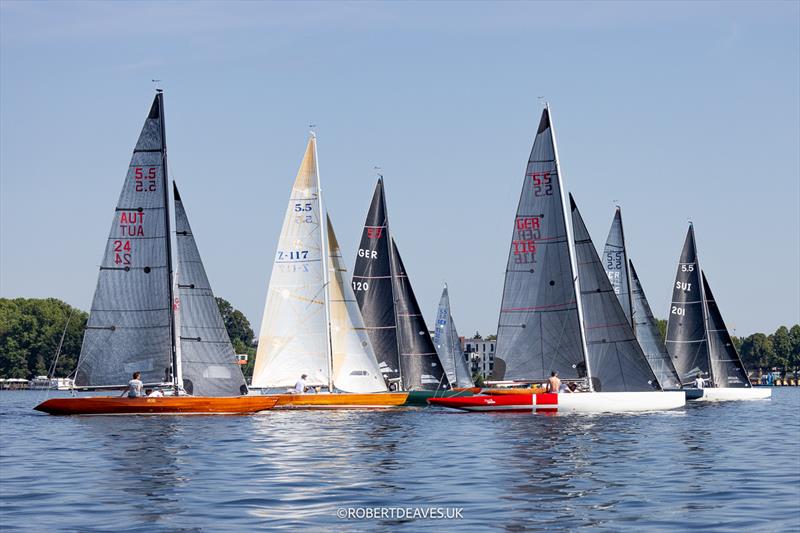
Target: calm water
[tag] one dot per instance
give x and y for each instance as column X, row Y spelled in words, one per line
column 710, row 466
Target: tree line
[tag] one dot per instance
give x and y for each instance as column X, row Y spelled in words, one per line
column 31, row 329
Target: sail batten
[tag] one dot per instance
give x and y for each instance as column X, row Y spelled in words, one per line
column 133, row 291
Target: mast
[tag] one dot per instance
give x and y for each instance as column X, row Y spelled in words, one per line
column 393, row 274
column 704, row 307
column 627, row 269
column 168, row 232
column 323, row 228
column 571, row 248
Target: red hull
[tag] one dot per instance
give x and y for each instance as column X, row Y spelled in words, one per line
column 503, row 402
column 114, row 405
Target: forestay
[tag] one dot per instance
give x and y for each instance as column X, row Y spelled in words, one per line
column 374, row 288
column 646, row 330
column 539, row 327
column 616, row 360
column 448, row 345
column 687, row 342
column 420, row 365
column 727, row 367
column 355, row 368
column 130, row 322
column 615, row 263
column 209, row 365
column 293, row 339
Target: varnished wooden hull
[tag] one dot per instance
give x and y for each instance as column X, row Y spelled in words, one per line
column 339, row 400
column 165, row 405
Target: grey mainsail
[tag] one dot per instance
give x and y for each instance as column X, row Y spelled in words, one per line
column 448, row 345
column 687, row 339
column 374, row 288
column 646, row 329
column 419, row 363
column 130, row 326
column 616, row 361
column 539, row 328
column 208, row 362
column 615, row 263
column 727, row 367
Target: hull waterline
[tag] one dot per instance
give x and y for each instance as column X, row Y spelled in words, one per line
column 588, row 402
column 164, row 405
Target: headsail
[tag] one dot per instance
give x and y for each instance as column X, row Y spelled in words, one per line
column 293, row 339
column 687, row 340
column 448, row 345
column 373, row 285
column 355, row 368
column 727, row 367
column 131, row 319
column 208, row 362
column 539, row 325
column 616, row 360
column 646, row 329
column 615, row 263
column 420, row 365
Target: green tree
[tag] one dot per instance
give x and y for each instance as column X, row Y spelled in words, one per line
column 794, row 354
column 782, row 347
column 662, row 328
column 757, row 351
column 240, row 332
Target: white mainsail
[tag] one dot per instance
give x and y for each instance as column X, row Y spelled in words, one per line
column 355, row 367
column 293, row 339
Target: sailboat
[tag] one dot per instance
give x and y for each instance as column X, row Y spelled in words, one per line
column 312, row 324
column 394, row 322
column 697, row 339
column 559, row 311
column 448, row 345
column 633, row 300
column 132, row 322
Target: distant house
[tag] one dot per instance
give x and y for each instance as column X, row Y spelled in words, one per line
column 479, row 353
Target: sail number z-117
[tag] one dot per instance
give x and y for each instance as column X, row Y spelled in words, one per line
column 297, row 254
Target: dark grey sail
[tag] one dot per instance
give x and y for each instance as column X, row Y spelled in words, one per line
column 727, row 367
column 615, row 263
column 419, row 363
column 687, row 341
column 539, row 329
column 616, row 361
column 130, row 326
column 448, row 345
column 209, row 366
column 646, row 329
column 373, row 287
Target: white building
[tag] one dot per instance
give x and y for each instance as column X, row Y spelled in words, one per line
column 479, row 354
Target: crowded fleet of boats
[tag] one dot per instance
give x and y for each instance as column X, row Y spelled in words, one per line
column 569, row 315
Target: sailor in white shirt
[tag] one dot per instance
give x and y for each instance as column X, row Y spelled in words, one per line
column 699, row 382
column 134, row 386
column 300, row 386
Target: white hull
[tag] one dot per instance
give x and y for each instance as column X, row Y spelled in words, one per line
column 599, row 402
column 726, row 394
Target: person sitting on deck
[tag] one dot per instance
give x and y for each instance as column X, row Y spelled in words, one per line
column 134, row 386
column 554, row 384
column 699, row 382
column 565, row 388
column 155, row 394
column 300, row 386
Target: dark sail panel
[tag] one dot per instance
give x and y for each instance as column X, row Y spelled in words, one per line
column 615, row 263
column 539, row 330
column 208, row 362
column 646, row 329
column 420, row 365
column 130, row 322
column 372, row 284
column 727, row 367
column 687, row 342
column 616, row 361
column 448, row 345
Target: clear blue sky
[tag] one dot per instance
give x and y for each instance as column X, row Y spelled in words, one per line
column 675, row 110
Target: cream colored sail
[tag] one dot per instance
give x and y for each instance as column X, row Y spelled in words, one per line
column 293, row 339
column 355, row 367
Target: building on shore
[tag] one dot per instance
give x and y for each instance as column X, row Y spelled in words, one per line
column 479, row 353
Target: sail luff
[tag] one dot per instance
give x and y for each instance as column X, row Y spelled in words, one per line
column 393, row 278
column 572, row 254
